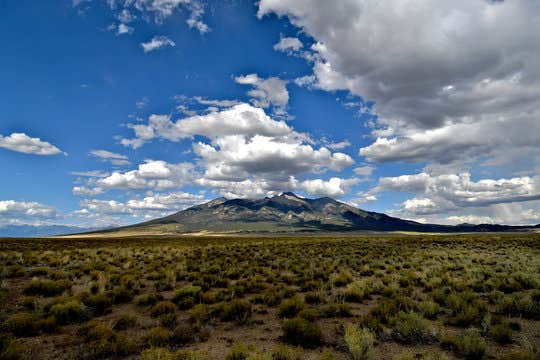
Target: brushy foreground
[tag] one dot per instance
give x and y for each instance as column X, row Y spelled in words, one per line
column 357, row 297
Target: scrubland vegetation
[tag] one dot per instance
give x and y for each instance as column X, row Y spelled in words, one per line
column 376, row 297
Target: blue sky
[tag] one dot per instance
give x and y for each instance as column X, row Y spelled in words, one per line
column 118, row 111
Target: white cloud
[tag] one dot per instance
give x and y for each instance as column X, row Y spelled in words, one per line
column 92, row 173
column 248, row 153
column 288, row 44
column 171, row 201
column 157, row 42
column 12, row 211
column 152, row 174
column 155, row 205
column 113, row 158
column 364, row 171
column 433, row 69
column 339, row 145
column 241, row 119
column 460, row 141
column 469, row 219
column 237, row 157
column 334, row 187
column 21, row 142
column 85, row 191
column 124, row 29
column 266, row 92
column 216, row 103
column 442, row 193
column 159, row 10
column 107, row 207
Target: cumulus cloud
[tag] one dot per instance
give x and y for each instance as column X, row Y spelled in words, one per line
column 364, row 171
column 85, row 191
column 12, row 211
column 288, row 44
column 153, row 205
column 22, row 143
column 441, row 193
column 113, row 158
column 107, row 207
column 431, row 68
column 152, row 174
column 235, row 157
column 248, row 153
column 156, row 43
column 241, row 119
column 334, row 187
column 171, row 201
column 266, row 92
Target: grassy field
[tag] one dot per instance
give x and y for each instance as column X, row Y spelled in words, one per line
column 371, row 297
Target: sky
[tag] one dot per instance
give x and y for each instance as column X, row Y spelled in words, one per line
column 118, row 111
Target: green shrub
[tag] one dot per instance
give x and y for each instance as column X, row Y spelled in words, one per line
column 386, row 309
column 168, row 320
column 101, row 342
column 520, row 305
column 309, row 313
column 68, row 312
column 357, row 291
column 359, row 342
column 429, row 309
column 162, row 308
column 291, row 307
column 46, row 288
column 236, row 310
column 465, row 309
column 342, row 279
column 156, row 354
column 473, row 344
column 187, row 296
column 199, row 314
column 501, row 333
column 411, row 328
column 298, row 331
column 158, row 337
column 121, row 295
column 100, row 303
column 20, row 324
column 149, row 299
column 238, row 352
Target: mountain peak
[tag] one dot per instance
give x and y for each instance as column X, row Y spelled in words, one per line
column 289, row 194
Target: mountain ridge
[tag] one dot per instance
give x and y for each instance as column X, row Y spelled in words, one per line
column 290, row 213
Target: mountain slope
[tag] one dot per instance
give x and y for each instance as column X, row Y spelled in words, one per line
column 287, row 213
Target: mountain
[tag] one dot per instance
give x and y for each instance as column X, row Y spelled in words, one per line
column 40, row 230
column 287, row 213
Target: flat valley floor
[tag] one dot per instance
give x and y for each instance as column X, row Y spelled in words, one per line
column 474, row 296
